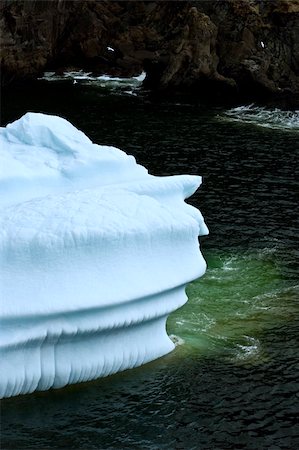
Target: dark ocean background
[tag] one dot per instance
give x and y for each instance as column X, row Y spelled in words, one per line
column 232, row 381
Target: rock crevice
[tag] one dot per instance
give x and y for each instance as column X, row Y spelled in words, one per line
column 225, row 48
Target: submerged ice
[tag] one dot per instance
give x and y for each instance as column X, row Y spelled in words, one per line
column 95, row 254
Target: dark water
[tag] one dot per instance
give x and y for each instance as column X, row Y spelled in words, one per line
column 232, row 382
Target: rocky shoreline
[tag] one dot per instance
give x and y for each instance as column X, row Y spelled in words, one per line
column 214, row 50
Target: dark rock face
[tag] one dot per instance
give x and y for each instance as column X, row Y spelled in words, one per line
column 258, row 44
column 29, row 32
column 216, row 49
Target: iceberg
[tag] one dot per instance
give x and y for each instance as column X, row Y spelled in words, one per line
column 95, row 254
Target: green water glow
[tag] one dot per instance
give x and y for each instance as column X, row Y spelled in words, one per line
column 241, row 296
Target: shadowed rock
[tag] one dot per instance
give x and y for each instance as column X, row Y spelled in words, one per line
column 216, row 49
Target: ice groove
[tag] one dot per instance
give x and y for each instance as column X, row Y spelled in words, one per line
column 95, row 253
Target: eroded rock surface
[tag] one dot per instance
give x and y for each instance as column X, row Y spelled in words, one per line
column 217, row 49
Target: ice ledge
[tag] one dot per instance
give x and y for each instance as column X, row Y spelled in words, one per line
column 44, row 352
column 94, row 254
column 84, row 357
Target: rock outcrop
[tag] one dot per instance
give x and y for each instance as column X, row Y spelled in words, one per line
column 216, row 49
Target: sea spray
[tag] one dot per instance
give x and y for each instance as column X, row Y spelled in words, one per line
column 263, row 117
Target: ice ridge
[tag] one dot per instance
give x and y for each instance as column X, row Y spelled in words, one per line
column 95, row 253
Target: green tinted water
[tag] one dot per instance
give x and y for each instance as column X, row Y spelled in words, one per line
column 241, row 295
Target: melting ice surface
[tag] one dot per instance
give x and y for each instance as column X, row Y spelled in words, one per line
column 95, row 254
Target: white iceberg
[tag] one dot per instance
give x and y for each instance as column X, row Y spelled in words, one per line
column 95, row 254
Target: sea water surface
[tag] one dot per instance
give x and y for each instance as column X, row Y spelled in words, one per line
column 232, row 381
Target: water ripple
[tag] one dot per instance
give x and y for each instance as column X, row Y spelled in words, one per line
column 264, row 117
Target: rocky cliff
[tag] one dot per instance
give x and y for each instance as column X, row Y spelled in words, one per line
column 217, row 49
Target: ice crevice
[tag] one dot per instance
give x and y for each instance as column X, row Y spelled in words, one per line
column 95, row 253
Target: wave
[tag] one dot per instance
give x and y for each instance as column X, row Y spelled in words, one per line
column 103, row 81
column 264, row 117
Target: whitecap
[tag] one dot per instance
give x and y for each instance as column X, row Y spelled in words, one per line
column 104, row 81
column 264, row 117
column 249, row 349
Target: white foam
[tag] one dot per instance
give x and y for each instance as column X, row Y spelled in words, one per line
column 263, row 117
column 105, row 80
column 95, row 253
column 249, row 350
